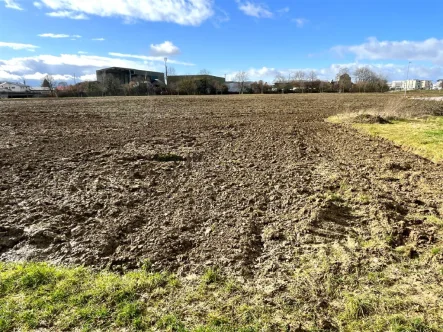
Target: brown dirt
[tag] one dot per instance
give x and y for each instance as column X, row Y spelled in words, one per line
column 368, row 118
column 244, row 183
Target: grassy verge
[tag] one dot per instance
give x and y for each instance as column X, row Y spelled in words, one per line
column 422, row 136
column 338, row 288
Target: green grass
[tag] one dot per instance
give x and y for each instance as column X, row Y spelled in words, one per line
column 332, row 288
column 421, row 136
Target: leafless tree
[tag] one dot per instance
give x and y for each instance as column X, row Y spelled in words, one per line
column 241, row 78
column 299, row 77
column 172, row 71
column 342, row 71
column 204, row 72
column 49, row 82
column 112, row 85
column 312, row 77
column 279, row 78
column 369, row 80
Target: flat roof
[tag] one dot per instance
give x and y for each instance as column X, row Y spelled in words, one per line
column 127, row 69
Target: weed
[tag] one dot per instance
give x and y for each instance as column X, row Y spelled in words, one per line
column 212, row 275
column 433, row 220
column 357, row 307
column 171, row 323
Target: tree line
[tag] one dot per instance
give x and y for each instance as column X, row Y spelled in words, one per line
column 364, row 80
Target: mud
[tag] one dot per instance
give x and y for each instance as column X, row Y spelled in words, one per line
column 368, row 118
column 244, row 183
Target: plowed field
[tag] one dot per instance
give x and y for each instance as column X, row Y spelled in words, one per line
column 248, row 184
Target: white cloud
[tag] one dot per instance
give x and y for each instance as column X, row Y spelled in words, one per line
column 53, row 35
column 254, row 9
column 166, row 48
column 82, row 52
column 391, row 71
column 18, row 46
column 150, row 58
column 283, row 10
column 98, row 39
column 184, row 12
column 300, row 22
column 37, row 4
column 427, row 50
column 63, row 66
column 12, row 4
column 68, row 14
column 7, row 76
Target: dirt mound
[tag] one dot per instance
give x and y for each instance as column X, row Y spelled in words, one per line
column 368, row 118
column 244, row 183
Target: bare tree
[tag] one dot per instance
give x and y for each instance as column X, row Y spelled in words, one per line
column 49, row 82
column 172, row 71
column 299, row 77
column 312, row 77
column 342, row 71
column 112, row 85
column 369, row 80
column 279, row 78
column 241, row 77
column 204, row 72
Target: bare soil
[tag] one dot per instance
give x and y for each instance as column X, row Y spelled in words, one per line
column 243, row 183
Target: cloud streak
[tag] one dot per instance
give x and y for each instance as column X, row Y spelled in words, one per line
column 183, row 12
column 254, row 9
column 58, row 35
column 427, row 50
column 12, row 4
column 19, row 46
column 149, row 58
column 68, row 14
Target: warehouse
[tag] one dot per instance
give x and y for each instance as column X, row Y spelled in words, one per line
column 126, row 75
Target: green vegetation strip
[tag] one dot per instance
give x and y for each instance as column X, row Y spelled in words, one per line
column 332, row 289
column 422, row 136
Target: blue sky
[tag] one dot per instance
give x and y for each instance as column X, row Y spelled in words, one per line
column 264, row 38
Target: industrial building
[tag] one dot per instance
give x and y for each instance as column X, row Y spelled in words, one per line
column 126, row 75
column 178, row 78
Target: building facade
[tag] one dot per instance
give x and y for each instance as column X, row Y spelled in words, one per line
column 412, row 85
column 426, row 85
column 177, row 78
column 127, row 75
column 396, row 85
column 13, row 87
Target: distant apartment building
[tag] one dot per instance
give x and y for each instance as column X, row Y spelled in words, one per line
column 438, row 85
column 396, row 85
column 411, row 85
column 426, row 85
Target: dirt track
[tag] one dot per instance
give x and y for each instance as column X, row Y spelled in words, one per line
column 263, row 178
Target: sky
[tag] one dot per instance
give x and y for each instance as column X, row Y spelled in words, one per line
column 71, row 39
